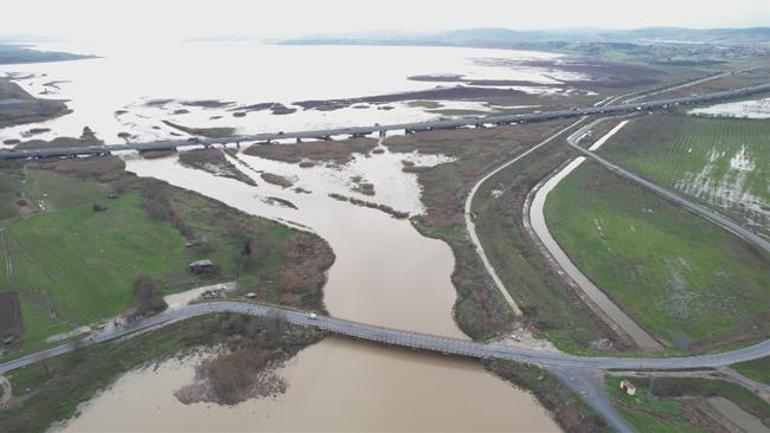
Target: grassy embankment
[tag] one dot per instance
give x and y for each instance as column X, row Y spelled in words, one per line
column 759, row 370
column 549, row 305
column 74, row 266
column 215, row 162
column 480, row 309
column 677, row 275
column 678, row 405
column 570, row 412
column 724, row 163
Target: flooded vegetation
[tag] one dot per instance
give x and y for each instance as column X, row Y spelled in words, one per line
column 723, row 163
column 385, row 273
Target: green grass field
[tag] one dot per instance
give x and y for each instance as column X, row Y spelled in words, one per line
column 679, row 276
column 546, row 301
column 73, row 266
column 759, row 370
column 724, row 163
column 658, row 406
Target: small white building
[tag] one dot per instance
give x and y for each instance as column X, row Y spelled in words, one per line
column 628, row 387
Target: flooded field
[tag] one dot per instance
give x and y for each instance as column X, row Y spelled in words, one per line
column 754, row 109
column 385, row 273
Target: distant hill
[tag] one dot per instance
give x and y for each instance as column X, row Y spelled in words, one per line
column 15, row 54
column 507, row 38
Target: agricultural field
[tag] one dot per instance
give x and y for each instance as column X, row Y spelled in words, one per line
column 681, row 278
column 683, row 405
column 724, row 163
column 73, row 260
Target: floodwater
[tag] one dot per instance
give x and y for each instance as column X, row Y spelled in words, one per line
column 385, row 273
column 753, row 109
column 132, row 89
column 337, row 385
column 601, row 300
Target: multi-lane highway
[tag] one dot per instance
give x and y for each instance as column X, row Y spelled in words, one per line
column 383, row 129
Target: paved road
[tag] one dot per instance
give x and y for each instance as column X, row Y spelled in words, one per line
column 413, row 340
column 696, row 208
column 595, row 298
column 760, row 389
column 589, row 385
column 622, row 108
column 471, row 226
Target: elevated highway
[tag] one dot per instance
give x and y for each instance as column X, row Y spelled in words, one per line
column 362, row 131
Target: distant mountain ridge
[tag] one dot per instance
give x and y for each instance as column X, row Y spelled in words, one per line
column 493, row 37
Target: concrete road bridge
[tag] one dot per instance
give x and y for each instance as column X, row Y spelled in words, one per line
column 583, row 374
column 409, row 339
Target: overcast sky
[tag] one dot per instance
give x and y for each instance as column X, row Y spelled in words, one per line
column 181, row 19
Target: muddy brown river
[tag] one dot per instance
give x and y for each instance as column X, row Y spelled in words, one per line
column 385, row 273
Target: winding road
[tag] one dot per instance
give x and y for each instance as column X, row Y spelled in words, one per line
column 409, row 339
column 583, row 374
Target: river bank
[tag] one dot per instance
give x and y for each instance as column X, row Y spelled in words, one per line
column 380, row 263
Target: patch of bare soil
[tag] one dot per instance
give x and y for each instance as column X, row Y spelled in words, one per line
column 276, row 179
column 362, row 186
column 234, row 377
column 20, row 107
column 104, row 168
column 470, row 81
column 208, row 103
column 11, row 322
column 381, row 207
column 87, row 139
column 332, row 151
column 213, row 161
column 156, row 154
column 217, row 132
column 477, row 151
column 276, row 201
column 602, row 74
column 439, row 94
column 735, row 80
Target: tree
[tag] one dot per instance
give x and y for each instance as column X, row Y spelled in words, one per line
column 147, row 296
